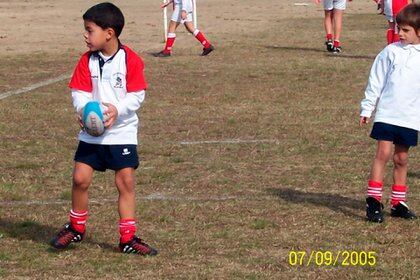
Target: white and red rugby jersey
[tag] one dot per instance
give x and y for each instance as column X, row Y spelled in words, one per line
column 118, row 80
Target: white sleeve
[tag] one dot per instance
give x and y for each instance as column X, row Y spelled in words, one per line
column 377, row 80
column 130, row 103
column 80, row 98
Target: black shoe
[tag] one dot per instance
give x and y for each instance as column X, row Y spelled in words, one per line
column 374, row 210
column 66, row 236
column 337, row 50
column 402, row 211
column 330, row 45
column 162, row 54
column 208, row 50
column 137, row 246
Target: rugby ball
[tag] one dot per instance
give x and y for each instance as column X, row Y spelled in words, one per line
column 93, row 119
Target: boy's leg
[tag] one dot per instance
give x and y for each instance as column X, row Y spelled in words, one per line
column 390, row 32
column 125, row 181
column 328, row 23
column 129, row 243
column 74, row 231
column 374, row 191
column 399, row 189
column 207, row 47
column 169, row 41
column 328, row 20
column 338, row 24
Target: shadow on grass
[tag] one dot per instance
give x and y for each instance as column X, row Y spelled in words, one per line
column 30, row 230
column 334, row 202
column 343, row 55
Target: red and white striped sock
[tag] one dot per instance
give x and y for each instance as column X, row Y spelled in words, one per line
column 374, row 190
column 200, row 37
column 329, row 37
column 169, row 42
column 336, row 43
column 78, row 220
column 398, row 194
column 127, row 229
column 390, row 36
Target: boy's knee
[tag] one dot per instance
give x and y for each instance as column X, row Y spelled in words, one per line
column 80, row 182
column 400, row 159
column 125, row 183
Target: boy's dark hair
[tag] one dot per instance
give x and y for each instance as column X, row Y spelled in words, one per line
column 410, row 15
column 106, row 15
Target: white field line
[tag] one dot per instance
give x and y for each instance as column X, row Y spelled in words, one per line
column 229, row 141
column 34, row 86
column 152, row 197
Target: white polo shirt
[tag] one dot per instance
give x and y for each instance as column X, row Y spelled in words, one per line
column 393, row 90
column 120, row 81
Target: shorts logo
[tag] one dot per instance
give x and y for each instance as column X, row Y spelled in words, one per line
column 126, row 152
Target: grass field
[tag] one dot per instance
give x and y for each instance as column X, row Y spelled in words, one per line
column 214, row 210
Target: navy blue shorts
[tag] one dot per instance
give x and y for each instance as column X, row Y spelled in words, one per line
column 103, row 157
column 398, row 135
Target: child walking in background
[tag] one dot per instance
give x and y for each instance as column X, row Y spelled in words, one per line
column 182, row 13
column 393, row 92
column 333, row 22
column 112, row 74
column 391, row 8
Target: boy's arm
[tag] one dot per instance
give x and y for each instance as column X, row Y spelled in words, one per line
column 80, row 99
column 377, row 80
column 130, row 103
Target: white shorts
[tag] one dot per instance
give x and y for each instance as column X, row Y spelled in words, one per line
column 334, row 4
column 176, row 15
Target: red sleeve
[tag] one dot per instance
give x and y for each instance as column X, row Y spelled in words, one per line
column 135, row 76
column 81, row 79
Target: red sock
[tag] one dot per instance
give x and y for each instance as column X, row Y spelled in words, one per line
column 329, row 37
column 169, row 42
column 78, row 220
column 395, row 38
column 200, row 37
column 127, row 229
column 374, row 190
column 398, row 194
column 336, row 43
column 389, row 36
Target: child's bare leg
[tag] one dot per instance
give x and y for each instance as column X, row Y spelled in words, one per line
column 328, row 21
column 82, row 178
column 172, row 26
column 124, row 179
column 338, row 23
column 400, row 165
column 189, row 26
column 383, row 154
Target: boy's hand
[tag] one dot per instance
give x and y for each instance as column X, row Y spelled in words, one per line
column 317, row 1
column 111, row 114
column 363, row 121
column 184, row 15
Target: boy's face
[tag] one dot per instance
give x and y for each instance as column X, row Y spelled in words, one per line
column 408, row 35
column 95, row 36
